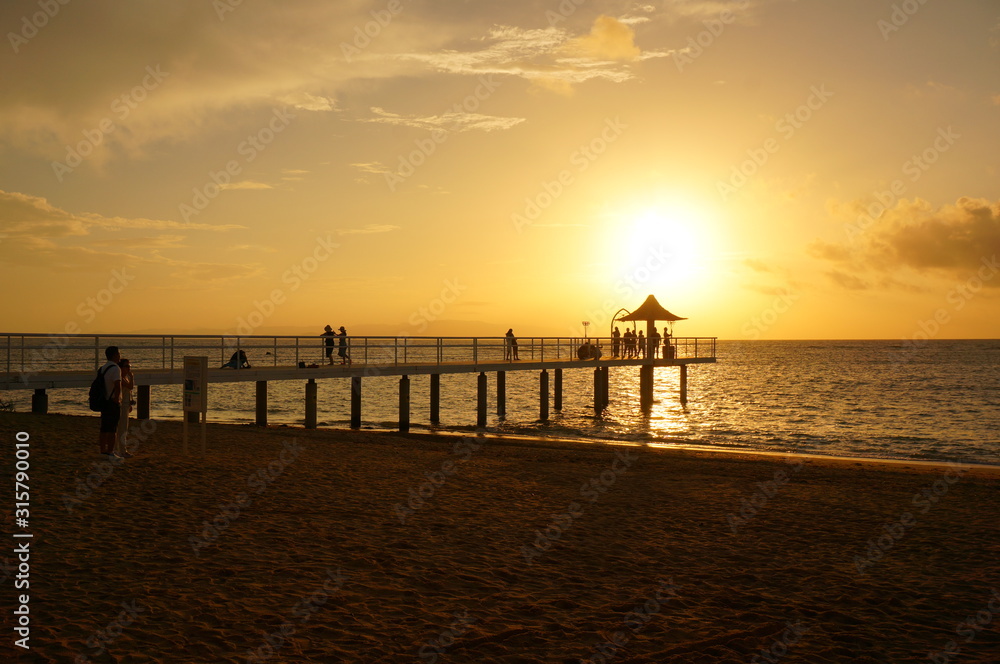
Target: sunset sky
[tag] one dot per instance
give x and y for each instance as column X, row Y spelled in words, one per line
column 772, row 169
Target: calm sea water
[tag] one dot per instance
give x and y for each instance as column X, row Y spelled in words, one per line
column 853, row 398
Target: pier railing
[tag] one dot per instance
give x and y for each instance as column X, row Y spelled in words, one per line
column 39, row 353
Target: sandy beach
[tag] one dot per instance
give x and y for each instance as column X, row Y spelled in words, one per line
column 286, row 545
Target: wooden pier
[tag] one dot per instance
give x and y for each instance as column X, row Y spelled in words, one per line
column 42, row 362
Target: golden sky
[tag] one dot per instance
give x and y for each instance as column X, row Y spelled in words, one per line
column 771, row 169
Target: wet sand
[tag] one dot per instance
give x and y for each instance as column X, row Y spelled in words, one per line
column 285, row 545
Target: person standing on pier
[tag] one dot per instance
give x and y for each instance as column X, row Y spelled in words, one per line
column 616, row 342
column 111, row 409
column 511, row 353
column 640, row 343
column 668, row 350
column 328, row 343
column 655, row 343
column 344, row 357
column 128, row 383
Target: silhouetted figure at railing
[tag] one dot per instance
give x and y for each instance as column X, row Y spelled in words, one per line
column 328, row 343
column 510, row 346
column 668, row 349
column 616, row 343
column 640, row 343
column 345, row 358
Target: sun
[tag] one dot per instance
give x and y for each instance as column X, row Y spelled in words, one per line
column 663, row 244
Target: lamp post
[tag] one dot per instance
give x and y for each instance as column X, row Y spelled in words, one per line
column 586, row 324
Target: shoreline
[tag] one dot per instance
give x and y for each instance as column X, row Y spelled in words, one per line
column 423, row 432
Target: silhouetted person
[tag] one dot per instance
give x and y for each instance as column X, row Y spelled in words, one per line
column 328, row 343
column 668, row 350
column 640, row 343
column 655, row 343
column 237, row 361
column 629, row 343
column 616, row 343
column 111, row 410
column 128, row 383
column 511, row 342
column 342, row 351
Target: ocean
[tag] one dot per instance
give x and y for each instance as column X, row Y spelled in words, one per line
column 875, row 399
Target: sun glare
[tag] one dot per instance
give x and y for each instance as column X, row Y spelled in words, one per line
column 665, row 242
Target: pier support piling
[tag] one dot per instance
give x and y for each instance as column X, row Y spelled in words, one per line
column 543, row 396
column 684, row 383
column 502, row 393
column 311, row 404
column 355, row 402
column 598, row 391
column 261, row 403
column 404, row 404
column 40, row 401
column 557, row 388
column 435, row 398
column 142, row 402
column 646, row 387
column 481, row 400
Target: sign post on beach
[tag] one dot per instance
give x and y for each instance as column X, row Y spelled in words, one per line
column 195, row 400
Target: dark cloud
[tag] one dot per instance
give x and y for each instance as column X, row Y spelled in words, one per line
column 914, row 237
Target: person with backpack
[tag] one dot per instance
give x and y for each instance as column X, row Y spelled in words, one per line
column 106, row 394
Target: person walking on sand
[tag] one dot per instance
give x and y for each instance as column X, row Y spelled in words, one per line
column 328, row 343
column 111, row 409
column 345, row 358
column 128, row 383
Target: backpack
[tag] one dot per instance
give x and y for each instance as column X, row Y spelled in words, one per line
column 97, row 398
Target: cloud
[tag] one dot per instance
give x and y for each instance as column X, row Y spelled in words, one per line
column 550, row 57
column 308, row 102
column 246, row 184
column 42, row 236
column 608, row 38
column 457, row 121
column 915, row 238
column 368, row 230
column 376, row 167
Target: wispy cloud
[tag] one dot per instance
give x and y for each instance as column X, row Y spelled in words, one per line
column 370, row 229
column 457, row 121
column 246, row 184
